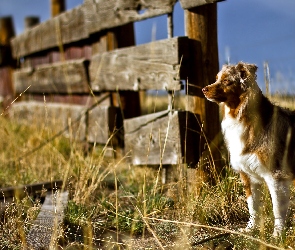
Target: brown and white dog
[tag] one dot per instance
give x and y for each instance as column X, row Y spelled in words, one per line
column 260, row 138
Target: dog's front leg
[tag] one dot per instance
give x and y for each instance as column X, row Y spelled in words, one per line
column 253, row 194
column 280, row 195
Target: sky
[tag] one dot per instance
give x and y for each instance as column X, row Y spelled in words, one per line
column 254, row 31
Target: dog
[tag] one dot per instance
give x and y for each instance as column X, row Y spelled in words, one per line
column 260, row 138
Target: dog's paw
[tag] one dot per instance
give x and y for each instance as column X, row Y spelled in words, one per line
column 251, row 226
column 277, row 232
column 278, row 227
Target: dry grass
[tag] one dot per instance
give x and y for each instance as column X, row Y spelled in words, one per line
column 117, row 206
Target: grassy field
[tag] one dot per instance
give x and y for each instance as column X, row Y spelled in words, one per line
column 114, row 205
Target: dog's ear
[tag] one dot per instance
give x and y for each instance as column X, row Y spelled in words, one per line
column 252, row 68
column 245, row 69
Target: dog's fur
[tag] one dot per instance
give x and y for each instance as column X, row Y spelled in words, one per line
column 260, row 138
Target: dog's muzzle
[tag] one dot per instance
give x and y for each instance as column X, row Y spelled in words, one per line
column 205, row 90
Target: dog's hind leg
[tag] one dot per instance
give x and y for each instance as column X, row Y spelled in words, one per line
column 253, row 194
column 280, row 195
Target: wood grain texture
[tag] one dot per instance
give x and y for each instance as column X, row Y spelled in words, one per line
column 105, row 14
column 65, row 28
column 188, row 4
column 163, row 138
column 6, row 86
column 52, row 115
column 86, row 100
column 68, row 77
column 201, row 26
column 79, row 23
column 157, row 65
column 91, row 17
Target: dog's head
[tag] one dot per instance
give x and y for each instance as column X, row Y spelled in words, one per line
column 231, row 83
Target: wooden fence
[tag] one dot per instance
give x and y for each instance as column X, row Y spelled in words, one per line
column 82, row 55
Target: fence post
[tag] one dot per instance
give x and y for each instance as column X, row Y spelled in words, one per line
column 31, row 21
column 129, row 100
column 201, row 26
column 57, row 7
column 7, row 63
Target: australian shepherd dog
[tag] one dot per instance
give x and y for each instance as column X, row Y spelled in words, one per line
column 260, row 138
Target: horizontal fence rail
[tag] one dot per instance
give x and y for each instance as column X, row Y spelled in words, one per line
column 159, row 65
column 69, row 77
column 89, row 18
column 156, row 65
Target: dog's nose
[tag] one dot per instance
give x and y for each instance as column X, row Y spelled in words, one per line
column 205, row 89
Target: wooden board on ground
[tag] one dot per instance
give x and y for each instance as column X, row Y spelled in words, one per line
column 31, row 189
column 70, row 77
column 47, row 226
column 163, row 138
column 12, row 194
column 103, row 123
column 156, row 65
column 55, row 116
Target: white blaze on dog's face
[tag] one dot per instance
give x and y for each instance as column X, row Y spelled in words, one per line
column 231, row 82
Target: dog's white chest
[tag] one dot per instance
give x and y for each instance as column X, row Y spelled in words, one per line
column 234, row 133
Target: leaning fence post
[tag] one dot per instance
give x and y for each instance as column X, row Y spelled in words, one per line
column 201, row 27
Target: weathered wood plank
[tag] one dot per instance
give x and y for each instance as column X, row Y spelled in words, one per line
column 87, row 100
column 53, row 115
column 150, row 66
column 68, row 77
column 188, row 4
column 103, row 121
column 91, row 17
column 63, row 29
column 163, row 138
column 80, row 22
column 47, row 227
column 105, row 14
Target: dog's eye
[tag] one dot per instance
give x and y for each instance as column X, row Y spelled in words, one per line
column 228, row 83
